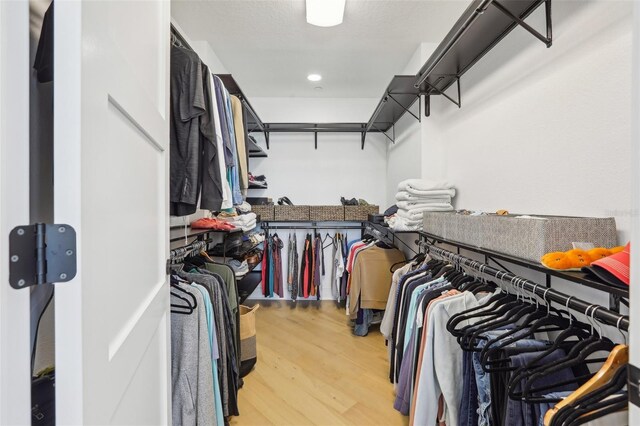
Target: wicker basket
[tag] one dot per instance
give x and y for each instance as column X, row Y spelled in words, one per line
column 265, row 212
column 359, row 212
column 528, row 239
column 326, row 213
column 291, row 213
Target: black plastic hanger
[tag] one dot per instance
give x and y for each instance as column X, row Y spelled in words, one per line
column 595, row 401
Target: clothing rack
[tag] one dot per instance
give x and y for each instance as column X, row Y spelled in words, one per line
column 181, row 253
column 597, row 312
column 377, row 232
column 313, row 226
column 181, row 39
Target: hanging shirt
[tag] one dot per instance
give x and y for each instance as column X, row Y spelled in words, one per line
column 234, row 175
column 239, row 127
column 227, row 201
column 187, row 105
column 212, row 191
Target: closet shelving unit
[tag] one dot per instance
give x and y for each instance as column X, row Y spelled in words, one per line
column 616, row 295
column 480, row 28
column 178, row 233
column 254, row 124
column 254, row 150
column 606, row 316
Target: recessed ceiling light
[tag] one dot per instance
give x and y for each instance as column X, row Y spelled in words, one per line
column 325, row 13
column 314, row 77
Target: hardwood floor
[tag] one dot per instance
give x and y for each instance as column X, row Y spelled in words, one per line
column 312, row 371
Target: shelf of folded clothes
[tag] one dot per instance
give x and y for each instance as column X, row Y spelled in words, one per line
column 178, row 233
column 254, row 186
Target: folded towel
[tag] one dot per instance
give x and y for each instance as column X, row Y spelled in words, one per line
column 440, row 194
column 418, row 214
column 405, row 205
column 401, row 224
column 423, row 185
column 242, row 219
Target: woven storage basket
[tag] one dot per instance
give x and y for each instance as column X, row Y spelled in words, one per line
column 326, row 213
column 359, row 212
column 528, row 239
column 265, row 212
column 291, row 213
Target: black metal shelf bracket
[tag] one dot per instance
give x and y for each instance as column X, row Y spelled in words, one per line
column 548, row 39
column 417, row 117
column 385, row 133
column 458, row 103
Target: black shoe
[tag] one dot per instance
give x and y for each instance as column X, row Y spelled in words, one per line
column 285, row 201
column 351, row 202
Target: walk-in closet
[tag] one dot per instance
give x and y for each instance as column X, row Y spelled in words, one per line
column 319, row 212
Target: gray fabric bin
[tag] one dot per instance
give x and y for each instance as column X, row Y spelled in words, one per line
column 525, row 238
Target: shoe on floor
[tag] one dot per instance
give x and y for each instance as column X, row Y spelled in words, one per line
column 239, row 268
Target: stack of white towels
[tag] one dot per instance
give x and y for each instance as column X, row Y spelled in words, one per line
column 246, row 222
column 416, row 196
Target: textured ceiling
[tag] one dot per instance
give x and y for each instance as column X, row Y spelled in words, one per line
column 270, row 49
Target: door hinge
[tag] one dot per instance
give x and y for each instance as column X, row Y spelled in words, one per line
column 40, row 254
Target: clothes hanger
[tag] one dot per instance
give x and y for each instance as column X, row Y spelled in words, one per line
column 190, row 300
column 597, row 401
column 333, row 241
column 609, row 406
column 618, row 358
column 206, row 256
column 498, row 316
column 531, row 324
column 578, row 355
column 586, row 344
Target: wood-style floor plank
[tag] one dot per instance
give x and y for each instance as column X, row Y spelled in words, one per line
column 312, row 371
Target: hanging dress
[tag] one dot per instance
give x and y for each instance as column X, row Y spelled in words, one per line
column 304, row 284
column 277, row 265
column 265, row 266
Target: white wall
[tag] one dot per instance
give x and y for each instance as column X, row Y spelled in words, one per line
column 404, row 157
column 337, row 168
column 540, row 130
column 308, row 176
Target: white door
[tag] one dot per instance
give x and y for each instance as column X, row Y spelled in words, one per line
column 15, row 385
column 634, row 299
column 111, row 112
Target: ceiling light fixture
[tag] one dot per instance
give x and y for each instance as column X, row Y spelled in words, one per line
column 314, row 77
column 325, row 13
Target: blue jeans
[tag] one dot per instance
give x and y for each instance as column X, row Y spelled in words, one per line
column 469, row 402
column 483, row 379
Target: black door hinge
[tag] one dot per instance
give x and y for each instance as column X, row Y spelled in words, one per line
column 41, row 254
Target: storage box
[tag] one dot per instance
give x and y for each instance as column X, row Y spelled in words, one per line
column 360, row 213
column 291, row 213
column 326, row 213
column 526, row 238
column 265, row 212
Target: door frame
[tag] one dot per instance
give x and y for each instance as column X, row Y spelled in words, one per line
column 15, row 354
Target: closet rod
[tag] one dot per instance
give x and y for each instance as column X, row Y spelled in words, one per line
column 598, row 312
column 310, row 227
column 180, row 37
